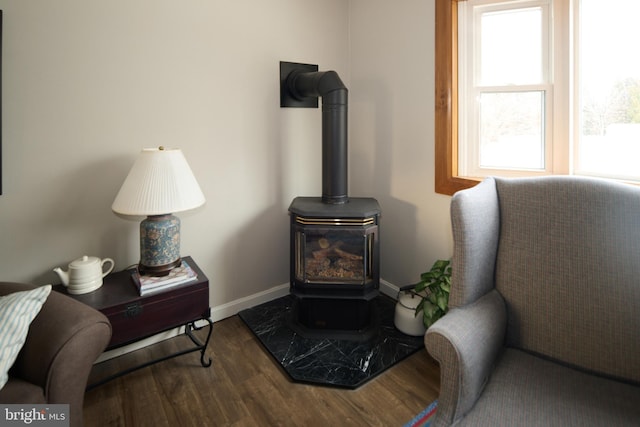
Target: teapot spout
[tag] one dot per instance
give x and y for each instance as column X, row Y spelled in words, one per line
column 64, row 275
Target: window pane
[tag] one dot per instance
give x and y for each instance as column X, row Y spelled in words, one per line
column 512, row 130
column 511, row 47
column 609, row 89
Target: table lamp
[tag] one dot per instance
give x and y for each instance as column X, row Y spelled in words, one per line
column 159, row 184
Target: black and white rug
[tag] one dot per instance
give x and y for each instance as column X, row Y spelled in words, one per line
column 327, row 361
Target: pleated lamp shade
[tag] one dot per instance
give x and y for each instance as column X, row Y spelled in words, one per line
column 160, row 182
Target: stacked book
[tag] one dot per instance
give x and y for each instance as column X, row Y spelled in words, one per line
column 149, row 285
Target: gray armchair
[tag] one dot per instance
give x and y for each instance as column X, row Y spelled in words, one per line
column 64, row 341
column 544, row 320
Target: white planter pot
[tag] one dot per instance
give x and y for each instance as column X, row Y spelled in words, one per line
column 405, row 318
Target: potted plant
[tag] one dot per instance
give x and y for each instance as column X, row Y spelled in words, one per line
column 434, row 287
column 419, row 305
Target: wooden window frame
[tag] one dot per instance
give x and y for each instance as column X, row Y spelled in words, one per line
column 447, row 180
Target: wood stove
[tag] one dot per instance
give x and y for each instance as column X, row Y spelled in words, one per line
column 335, row 260
column 335, row 255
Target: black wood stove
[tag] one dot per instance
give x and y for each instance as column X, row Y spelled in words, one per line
column 335, row 255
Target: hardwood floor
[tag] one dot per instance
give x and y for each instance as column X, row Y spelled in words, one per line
column 245, row 387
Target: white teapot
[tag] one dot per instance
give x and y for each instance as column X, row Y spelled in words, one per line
column 85, row 274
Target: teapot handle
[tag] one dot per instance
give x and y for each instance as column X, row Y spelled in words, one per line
column 113, row 264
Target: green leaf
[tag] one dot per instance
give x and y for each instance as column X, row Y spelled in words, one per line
column 429, row 308
column 426, row 277
column 440, row 264
column 430, row 320
column 426, row 319
column 443, row 302
column 433, row 298
column 446, row 287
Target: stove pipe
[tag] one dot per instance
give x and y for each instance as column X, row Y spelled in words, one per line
column 327, row 84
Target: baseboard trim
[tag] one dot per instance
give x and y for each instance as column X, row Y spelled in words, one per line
column 389, row 289
column 223, row 311
column 234, row 307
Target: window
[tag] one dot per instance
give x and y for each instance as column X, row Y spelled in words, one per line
column 608, row 123
column 531, row 87
column 505, row 87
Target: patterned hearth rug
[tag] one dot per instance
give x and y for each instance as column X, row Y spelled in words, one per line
column 423, row 419
column 329, row 361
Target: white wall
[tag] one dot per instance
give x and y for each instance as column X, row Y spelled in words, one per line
column 88, row 83
column 392, row 132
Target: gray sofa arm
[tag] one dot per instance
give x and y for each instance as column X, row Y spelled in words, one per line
column 64, row 341
column 466, row 343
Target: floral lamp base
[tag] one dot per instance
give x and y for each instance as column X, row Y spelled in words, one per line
column 159, row 245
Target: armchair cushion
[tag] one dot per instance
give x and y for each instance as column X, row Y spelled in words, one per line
column 526, row 390
column 17, row 311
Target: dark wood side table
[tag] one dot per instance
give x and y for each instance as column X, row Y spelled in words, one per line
column 134, row 317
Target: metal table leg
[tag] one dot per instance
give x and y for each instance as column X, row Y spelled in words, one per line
column 188, row 331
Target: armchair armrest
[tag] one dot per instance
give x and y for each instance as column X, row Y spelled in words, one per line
column 64, row 341
column 466, row 343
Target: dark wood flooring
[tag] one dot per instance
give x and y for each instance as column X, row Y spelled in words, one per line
column 245, row 387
